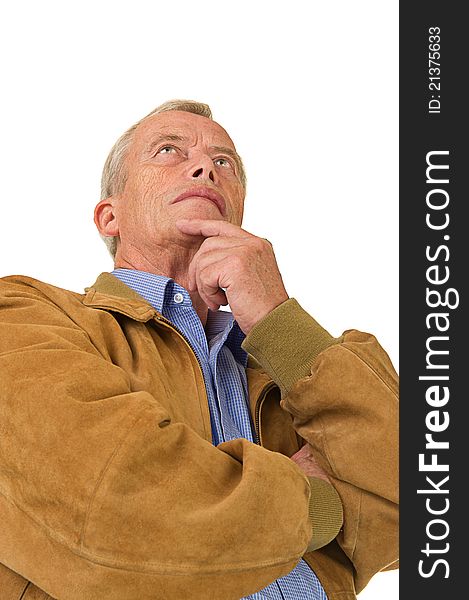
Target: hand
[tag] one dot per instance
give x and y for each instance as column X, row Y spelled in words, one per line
column 305, row 460
column 237, row 261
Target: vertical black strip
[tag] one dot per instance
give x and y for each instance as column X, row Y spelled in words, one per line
column 434, row 267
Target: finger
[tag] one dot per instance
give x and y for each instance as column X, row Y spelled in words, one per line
column 203, row 259
column 208, row 286
column 210, row 227
column 212, row 246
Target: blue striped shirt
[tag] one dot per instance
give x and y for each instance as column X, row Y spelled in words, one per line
column 223, row 362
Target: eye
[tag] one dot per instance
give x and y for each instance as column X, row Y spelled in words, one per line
column 166, row 150
column 223, row 162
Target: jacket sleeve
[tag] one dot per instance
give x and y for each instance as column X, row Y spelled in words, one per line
column 342, row 394
column 96, row 477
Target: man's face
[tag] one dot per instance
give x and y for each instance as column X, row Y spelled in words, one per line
column 180, row 166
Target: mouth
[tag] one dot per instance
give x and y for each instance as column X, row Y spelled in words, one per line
column 204, row 192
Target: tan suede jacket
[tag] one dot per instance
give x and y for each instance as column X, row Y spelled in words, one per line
column 110, row 487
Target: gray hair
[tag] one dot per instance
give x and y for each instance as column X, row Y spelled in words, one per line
column 114, row 175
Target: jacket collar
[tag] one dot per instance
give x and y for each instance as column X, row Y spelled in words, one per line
column 109, row 293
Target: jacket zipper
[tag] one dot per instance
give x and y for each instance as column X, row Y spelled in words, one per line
column 262, row 396
column 257, row 411
column 181, row 334
column 173, row 327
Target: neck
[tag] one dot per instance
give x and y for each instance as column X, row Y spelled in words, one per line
column 171, row 260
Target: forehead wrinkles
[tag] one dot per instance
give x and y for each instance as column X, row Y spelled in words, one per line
column 184, row 127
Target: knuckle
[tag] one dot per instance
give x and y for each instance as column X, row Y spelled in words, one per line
column 259, row 244
column 262, row 243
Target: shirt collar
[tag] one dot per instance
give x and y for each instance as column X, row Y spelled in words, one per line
column 148, row 285
column 161, row 291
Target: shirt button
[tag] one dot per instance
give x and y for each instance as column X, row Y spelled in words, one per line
column 178, row 298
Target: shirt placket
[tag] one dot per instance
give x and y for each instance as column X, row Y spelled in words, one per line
column 230, row 430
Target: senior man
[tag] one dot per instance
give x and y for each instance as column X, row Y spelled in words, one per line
column 154, row 446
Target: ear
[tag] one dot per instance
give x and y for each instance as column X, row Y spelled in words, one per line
column 105, row 218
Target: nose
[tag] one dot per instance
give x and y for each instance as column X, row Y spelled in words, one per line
column 200, row 173
column 203, row 168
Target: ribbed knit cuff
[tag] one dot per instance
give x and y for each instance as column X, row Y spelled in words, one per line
column 286, row 342
column 325, row 512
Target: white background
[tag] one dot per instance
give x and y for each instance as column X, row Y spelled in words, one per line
column 307, row 90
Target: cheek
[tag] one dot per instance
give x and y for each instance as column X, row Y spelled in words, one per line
column 141, row 200
column 238, row 208
column 149, row 181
